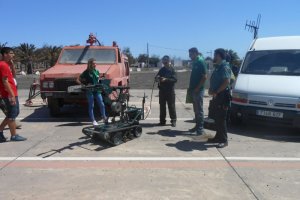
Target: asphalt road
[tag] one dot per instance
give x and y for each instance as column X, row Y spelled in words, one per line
column 59, row 162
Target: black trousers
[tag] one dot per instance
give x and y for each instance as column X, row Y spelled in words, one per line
column 220, row 116
column 167, row 98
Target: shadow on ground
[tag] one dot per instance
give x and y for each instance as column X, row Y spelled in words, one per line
column 170, row 133
column 84, row 141
column 274, row 133
column 184, row 145
column 189, row 145
column 69, row 113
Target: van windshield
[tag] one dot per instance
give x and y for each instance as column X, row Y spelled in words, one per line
column 273, row 62
column 81, row 56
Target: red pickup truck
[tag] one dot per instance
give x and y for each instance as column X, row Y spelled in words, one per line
column 54, row 82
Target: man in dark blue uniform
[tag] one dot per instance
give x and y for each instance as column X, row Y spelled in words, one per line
column 167, row 78
column 220, row 91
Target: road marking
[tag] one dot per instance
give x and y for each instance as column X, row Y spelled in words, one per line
column 280, row 159
column 262, row 159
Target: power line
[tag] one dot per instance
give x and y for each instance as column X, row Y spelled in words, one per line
column 167, row 48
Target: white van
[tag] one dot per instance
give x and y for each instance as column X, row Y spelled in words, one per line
column 267, row 88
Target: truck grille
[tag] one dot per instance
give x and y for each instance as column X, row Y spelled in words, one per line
column 282, row 105
column 257, row 102
column 285, row 105
column 63, row 84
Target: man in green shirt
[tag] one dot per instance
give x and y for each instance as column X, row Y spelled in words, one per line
column 196, row 89
column 220, row 91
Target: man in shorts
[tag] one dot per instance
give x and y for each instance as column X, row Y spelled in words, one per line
column 2, row 104
column 9, row 94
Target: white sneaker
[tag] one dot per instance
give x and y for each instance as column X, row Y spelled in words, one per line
column 209, row 135
column 203, row 135
column 191, row 133
column 95, row 123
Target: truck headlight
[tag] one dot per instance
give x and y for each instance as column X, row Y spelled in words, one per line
column 239, row 97
column 45, row 84
column 48, row 84
column 51, row 84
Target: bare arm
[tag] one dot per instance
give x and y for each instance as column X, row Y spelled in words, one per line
column 78, row 80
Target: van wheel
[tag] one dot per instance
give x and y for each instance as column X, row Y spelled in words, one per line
column 234, row 120
column 54, row 108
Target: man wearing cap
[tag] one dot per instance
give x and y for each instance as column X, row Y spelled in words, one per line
column 196, row 89
column 166, row 78
column 220, row 91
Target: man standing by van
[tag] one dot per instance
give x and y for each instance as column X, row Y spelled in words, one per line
column 196, row 89
column 220, row 91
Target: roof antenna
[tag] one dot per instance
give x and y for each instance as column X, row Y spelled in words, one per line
column 253, row 26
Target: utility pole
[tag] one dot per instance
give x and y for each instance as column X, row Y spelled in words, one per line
column 147, row 55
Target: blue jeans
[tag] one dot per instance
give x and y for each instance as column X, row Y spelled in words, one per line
column 198, row 109
column 98, row 97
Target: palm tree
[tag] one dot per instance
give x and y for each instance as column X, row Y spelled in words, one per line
column 235, row 59
column 3, row 45
column 48, row 54
column 26, row 55
column 26, row 52
column 53, row 52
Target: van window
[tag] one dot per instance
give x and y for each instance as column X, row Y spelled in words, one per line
column 274, row 62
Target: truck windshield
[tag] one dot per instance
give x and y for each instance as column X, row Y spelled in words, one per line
column 273, row 62
column 81, row 56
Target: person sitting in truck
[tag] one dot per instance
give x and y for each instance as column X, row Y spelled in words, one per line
column 91, row 77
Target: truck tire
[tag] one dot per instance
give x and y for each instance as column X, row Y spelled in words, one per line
column 54, row 108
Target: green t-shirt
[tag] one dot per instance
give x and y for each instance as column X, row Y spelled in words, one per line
column 90, row 77
column 199, row 69
column 218, row 76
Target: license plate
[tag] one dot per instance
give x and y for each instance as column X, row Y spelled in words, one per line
column 267, row 113
column 74, row 89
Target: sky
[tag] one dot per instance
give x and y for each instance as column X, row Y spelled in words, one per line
column 170, row 27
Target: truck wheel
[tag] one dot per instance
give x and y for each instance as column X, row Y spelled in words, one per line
column 138, row 131
column 54, row 107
